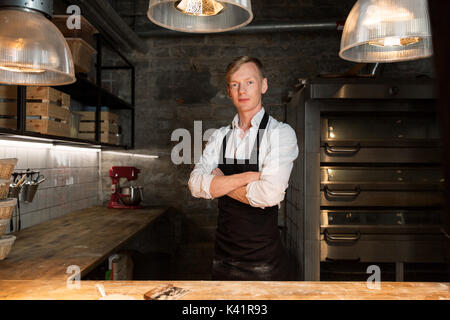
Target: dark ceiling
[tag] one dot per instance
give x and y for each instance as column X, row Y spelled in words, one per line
column 135, row 12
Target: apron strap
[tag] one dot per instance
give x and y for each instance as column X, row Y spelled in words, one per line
column 254, row 157
column 224, row 144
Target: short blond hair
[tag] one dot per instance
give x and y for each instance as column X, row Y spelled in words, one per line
column 238, row 62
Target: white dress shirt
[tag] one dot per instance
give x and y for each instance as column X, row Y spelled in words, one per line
column 278, row 150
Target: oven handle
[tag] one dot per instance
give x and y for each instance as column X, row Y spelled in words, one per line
column 343, row 193
column 342, row 238
column 341, row 150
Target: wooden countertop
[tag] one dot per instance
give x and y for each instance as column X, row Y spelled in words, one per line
column 228, row 290
column 84, row 238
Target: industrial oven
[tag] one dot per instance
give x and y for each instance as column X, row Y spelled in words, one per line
column 367, row 188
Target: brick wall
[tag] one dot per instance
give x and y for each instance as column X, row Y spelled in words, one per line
column 181, row 80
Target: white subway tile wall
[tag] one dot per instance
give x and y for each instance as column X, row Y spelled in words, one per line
column 72, row 182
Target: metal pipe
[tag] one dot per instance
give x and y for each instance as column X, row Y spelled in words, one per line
column 249, row 29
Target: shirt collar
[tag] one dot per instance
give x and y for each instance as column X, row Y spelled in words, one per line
column 256, row 120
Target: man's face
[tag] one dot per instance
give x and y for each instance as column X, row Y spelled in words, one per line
column 246, row 87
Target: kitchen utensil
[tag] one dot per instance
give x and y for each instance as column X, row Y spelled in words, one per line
column 14, row 191
column 40, row 181
column 19, row 183
column 39, row 177
column 6, row 244
column 131, row 195
column 129, row 173
column 29, row 191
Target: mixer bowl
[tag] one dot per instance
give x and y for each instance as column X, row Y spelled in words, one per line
column 131, row 196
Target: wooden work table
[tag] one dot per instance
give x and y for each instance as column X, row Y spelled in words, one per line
column 84, row 238
column 228, row 290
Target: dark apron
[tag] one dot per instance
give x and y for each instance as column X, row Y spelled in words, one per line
column 248, row 244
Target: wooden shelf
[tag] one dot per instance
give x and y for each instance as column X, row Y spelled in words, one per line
column 87, row 93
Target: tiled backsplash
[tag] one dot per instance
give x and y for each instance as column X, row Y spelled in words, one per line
column 72, row 181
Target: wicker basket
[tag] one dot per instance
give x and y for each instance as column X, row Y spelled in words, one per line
column 7, row 208
column 7, row 168
column 6, row 244
column 4, row 188
column 3, row 226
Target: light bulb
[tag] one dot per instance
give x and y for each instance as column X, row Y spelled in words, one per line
column 394, row 41
column 199, row 7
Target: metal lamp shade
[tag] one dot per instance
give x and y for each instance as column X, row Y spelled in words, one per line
column 387, row 31
column 32, row 50
column 235, row 14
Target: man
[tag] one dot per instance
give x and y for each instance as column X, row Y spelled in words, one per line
column 247, row 165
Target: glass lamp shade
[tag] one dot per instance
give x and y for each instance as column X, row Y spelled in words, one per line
column 200, row 16
column 32, row 50
column 387, row 31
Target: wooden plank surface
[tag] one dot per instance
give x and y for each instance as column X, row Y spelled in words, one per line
column 104, row 137
column 229, row 290
column 105, row 115
column 106, row 126
column 84, row 238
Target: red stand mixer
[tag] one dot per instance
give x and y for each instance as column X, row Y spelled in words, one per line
column 126, row 197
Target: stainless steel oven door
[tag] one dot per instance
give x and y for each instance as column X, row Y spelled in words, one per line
column 382, row 248
column 353, row 152
column 382, row 186
column 386, row 221
column 381, row 130
column 380, row 139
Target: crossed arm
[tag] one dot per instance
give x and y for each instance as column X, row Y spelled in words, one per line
column 258, row 189
column 235, row 186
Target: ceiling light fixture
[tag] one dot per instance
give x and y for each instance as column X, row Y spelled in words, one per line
column 387, row 31
column 200, row 16
column 32, row 49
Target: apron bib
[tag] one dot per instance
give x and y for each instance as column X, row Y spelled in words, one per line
column 247, row 244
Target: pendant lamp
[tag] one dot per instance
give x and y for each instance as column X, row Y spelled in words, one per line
column 200, row 16
column 32, row 49
column 387, row 31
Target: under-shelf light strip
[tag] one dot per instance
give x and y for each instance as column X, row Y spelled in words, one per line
column 131, row 154
column 46, row 145
column 27, row 144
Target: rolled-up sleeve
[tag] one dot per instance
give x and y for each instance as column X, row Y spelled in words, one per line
column 201, row 177
column 276, row 169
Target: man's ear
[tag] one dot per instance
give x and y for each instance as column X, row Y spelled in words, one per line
column 228, row 91
column 265, row 86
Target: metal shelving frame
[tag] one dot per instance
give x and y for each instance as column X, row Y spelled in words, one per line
column 88, row 93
